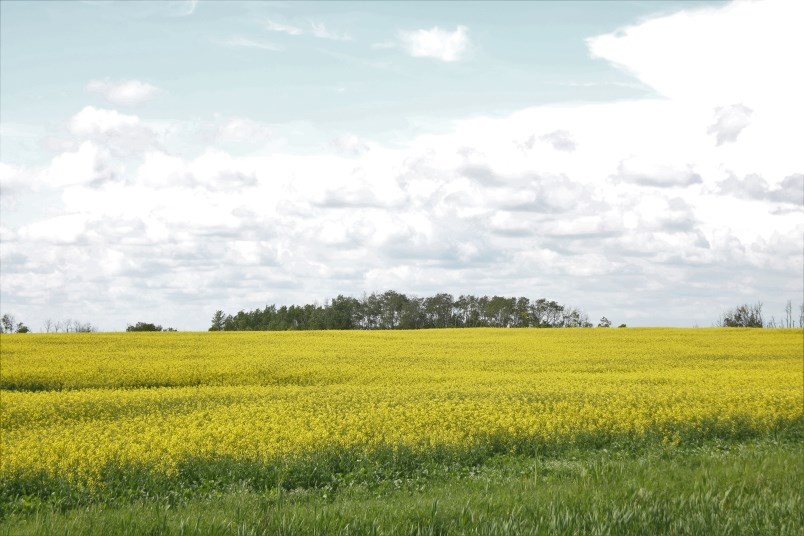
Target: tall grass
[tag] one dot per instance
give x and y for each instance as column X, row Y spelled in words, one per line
column 337, row 468
column 720, row 488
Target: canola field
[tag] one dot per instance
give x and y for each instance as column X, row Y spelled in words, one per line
column 91, row 414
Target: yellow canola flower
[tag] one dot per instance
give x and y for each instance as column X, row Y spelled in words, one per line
column 74, row 404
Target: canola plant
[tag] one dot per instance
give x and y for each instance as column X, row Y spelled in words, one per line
column 74, row 405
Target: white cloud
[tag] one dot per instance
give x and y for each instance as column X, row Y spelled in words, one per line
column 88, row 165
column 350, row 144
column 730, row 121
column 127, row 93
column 317, row 29
column 282, row 28
column 241, row 129
column 436, row 43
column 12, row 178
column 561, row 140
column 212, row 170
column 650, row 172
column 91, row 120
column 65, row 229
column 320, row 30
column 790, row 190
column 121, row 134
column 613, row 206
column 714, row 55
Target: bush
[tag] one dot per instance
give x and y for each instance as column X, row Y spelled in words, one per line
column 743, row 316
column 144, row 326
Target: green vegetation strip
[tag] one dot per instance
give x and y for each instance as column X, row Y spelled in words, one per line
column 751, row 487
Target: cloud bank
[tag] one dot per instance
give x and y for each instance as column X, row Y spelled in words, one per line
column 664, row 210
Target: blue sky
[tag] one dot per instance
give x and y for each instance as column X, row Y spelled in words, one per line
column 636, row 159
column 210, row 61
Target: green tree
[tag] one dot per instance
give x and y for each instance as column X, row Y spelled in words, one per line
column 144, row 326
column 218, row 320
column 742, row 316
column 7, row 324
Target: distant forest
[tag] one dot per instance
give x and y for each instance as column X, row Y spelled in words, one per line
column 393, row 310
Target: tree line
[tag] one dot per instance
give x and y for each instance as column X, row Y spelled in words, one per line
column 147, row 326
column 395, row 310
column 8, row 324
column 750, row 316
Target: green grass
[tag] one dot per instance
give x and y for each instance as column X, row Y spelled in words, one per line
column 749, row 487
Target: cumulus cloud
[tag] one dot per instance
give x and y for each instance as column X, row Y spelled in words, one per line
column 561, row 140
column 789, row 191
column 444, row 45
column 120, row 134
column 729, row 53
column 648, row 172
column 729, row 122
column 88, row 165
column 212, row 170
column 127, row 93
column 65, row 229
column 547, row 194
column 12, row 179
column 350, row 144
column 91, row 120
column 353, row 198
column 625, row 208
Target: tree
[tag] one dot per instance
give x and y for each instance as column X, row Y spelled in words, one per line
column 217, row 321
column 742, row 316
column 438, row 310
column 143, row 326
column 414, row 315
column 499, row 311
column 67, row 326
column 546, row 314
column 604, row 323
column 575, row 318
column 788, row 313
column 343, row 313
column 392, row 305
column 395, row 310
column 7, row 323
column 521, row 313
column 83, row 327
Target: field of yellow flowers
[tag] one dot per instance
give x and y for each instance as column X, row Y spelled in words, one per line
column 93, row 411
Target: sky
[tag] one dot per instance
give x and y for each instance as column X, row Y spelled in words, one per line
column 163, row 160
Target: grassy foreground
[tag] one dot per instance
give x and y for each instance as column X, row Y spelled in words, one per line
column 719, row 488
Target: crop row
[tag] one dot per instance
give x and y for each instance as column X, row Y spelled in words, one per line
column 74, row 406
